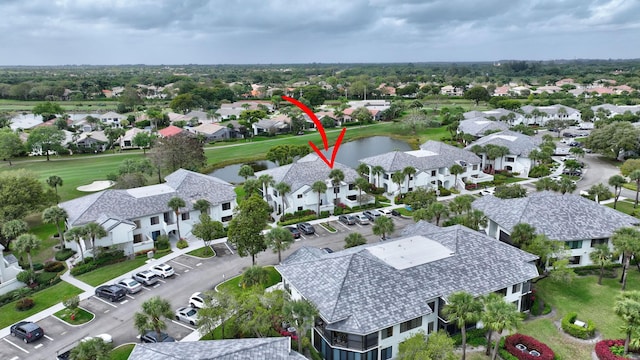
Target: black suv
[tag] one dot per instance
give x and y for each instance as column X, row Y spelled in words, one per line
column 153, row 337
column 295, row 232
column 111, row 292
column 306, row 228
column 27, row 331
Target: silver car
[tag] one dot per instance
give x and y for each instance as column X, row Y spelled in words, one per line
column 187, row 314
column 130, row 285
column 361, row 219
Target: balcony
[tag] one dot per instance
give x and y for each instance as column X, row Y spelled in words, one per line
column 479, row 178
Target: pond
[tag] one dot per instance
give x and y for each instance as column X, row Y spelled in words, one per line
column 349, row 154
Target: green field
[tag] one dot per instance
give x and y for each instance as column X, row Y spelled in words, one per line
column 43, row 299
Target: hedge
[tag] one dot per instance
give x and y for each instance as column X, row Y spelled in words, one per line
column 296, row 215
column 83, row 268
column 603, row 349
column 510, row 345
column 475, row 337
column 577, row 331
column 53, row 266
column 295, row 221
column 64, row 254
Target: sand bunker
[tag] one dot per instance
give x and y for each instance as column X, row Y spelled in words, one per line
column 96, row 186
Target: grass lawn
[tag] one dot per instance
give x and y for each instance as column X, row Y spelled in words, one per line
column 631, row 186
column 625, row 206
column 44, row 232
column 43, row 299
column 233, row 285
column 122, row 352
column 106, row 273
column 203, row 252
column 82, row 316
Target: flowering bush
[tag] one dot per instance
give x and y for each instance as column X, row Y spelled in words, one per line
column 603, row 349
column 532, row 344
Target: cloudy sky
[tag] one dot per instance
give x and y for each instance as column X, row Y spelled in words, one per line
column 57, row 32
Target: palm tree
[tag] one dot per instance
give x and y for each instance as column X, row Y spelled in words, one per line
column 76, row 234
column 216, row 312
column 94, row 231
column 566, row 185
column 377, row 171
column 153, row 311
column 361, row 183
column 635, row 176
column 408, row 172
column 55, row 181
column 354, row 239
column 627, row 306
column 320, row 187
column 252, row 186
column 336, row 176
column 545, row 184
column 265, row 180
column 462, row 309
column 461, row 204
column 279, row 239
column 495, row 152
column 90, row 349
column 474, row 219
column 55, row 215
column 438, row 210
column 26, row 243
column 202, row 205
column 363, row 170
column 14, row 228
column 456, row 169
column 422, row 214
column 601, row 256
column 303, row 313
column 577, row 151
column 282, row 188
column 175, row 203
column 498, row 316
column 255, row 275
column 617, row 181
column 398, row 177
column 626, row 241
column 523, row 234
column 245, row 171
column 383, row 226
column 535, row 155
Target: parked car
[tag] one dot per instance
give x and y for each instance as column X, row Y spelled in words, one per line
column 347, row 219
column 572, row 172
column 575, row 144
column 198, row 300
column 295, row 232
column 327, row 250
column 163, row 270
column 27, row 331
column 154, row 337
column 395, row 212
column 187, row 314
column 372, row 214
column 111, row 292
column 105, row 337
column 361, row 219
column 385, row 212
column 306, row 228
column 486, row 192
column 146, row 277
column 569, row 135
column 568, row 157
column 130, row 285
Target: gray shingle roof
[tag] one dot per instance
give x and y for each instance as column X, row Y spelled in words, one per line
column 560, row 217
column 477, row 126
column 432, row 155
column 356, row 291
column 306, row 171
column 234, row 349
column 517, row 143
column 148, row 200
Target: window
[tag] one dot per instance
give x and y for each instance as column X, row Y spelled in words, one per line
column 510, row 159
column 574, row 260
column 299, row 208
column 155, row 220
column 411, row 324
column 137, row 222
column 226, row 218
column 226, row 206
column 275, row 193
column 475, row 167
column 385, row 176
column 432, row 306
column 502, row 292
column 386, row 353
column 388, row 332
column 526, row 287
column 596, row 242
column 433, row 172
column 185, row 216
column 515, row 289
column 299, row 196
column 430, row 327
column 577, row 244
column 137, row 238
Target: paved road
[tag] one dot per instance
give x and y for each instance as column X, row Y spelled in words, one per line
column 192, row 274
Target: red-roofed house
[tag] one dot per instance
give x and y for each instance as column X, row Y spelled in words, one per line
column 170, row 131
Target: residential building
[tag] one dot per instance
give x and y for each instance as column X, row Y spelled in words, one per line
column 432, row 161
column 170, row 130
column 451, row 91
column 212, row 132
column 134, row 218
column 9, row 269
column 126, row 141
column 580, row 223
column 611, row 110
column 276, row 125
column 95, row 140
column 503, row 115
column 539, row 115
column 481, row 126
column 112, row 118
column 301, row 175
column 519, row 146
column 372, row 297
column 278, row 348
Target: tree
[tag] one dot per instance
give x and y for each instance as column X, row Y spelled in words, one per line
column 599, row 192
column 202, row 205
column 627, row 306
column 415, row 120
column 614, row 139
column 383, row 226
column 178, row 151
column 303, row 314
column 142, row 140
column 91, row 349
column 546, row 184
column 48, row 110
column 495, row 152
column 635, row 176
column 12, row 229
column 461, row 204
column 362, row 115
column 254, row 276
column 283, row 189
column 498, row 316
column 54, row 181
column 354, row 239
column 440, row 346
column 184, row 103
column 420, row 198
column 566, row 185
column 10, row 144
column 319, row 187
column 216, row 312
column 463, row 309
column 474, row 219
column 477, row 94
column 523, row 234
column 94, row 231
column 113, row 134
column 437, row 210
column 398, row 177
column 602, row 257
column 285, row 154
column 337, row 177
column 413, row 348
column 26, row 243
column 208, row 230
column 456, row 170
column 629, row 166
column 279, row 239
column 45, row 139
column 55, row 215
column 617, row 182
column 151, row 317
column 510, row 191
column 175, row 203
column 245, row 171
column 76, row 234
column 245, row 229
column 408, row 172
column 626, row 241
column 361, row 184
column 363, row 170
column 561, row 272
column 377, row 171
column 577, row 151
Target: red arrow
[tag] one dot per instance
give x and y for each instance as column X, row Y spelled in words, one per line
column 315, row 120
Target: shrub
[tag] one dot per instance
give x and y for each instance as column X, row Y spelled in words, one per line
column 162, row 242
column 45, row 278
column 610, row 270
column 182, row 243
column 324, row 214
column 109, row 257
column 577, row 331
column 24, row 304
column 475, row 337
column 83, row 268
column 539, row 171
column 295, row 221
column 26, row 276
column 444, row 192
column 297, row 215
column 64, row 254
column 510, row 345
column 38, row 266
column 53, row 266
column 604, row 349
